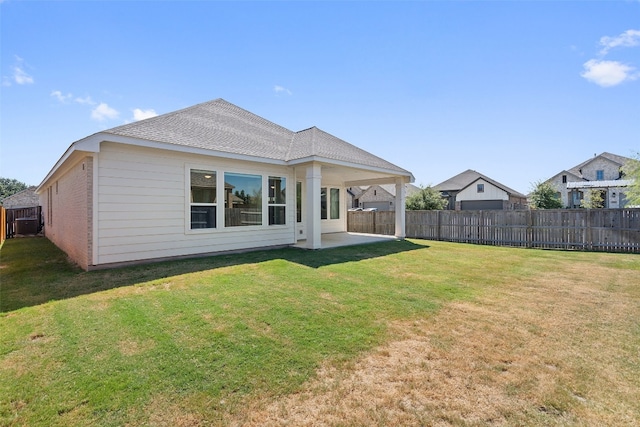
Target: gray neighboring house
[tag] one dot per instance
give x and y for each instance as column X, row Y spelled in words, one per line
column 205, row 179
column 601, row 173
column 26, row 198
column 381, row 197
column 471, row 190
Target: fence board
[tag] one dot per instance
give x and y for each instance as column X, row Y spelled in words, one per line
column 608, row 230
column 3, row 224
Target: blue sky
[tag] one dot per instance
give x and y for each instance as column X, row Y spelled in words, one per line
column 516, row 90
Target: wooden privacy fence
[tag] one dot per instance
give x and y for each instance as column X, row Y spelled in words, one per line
column 607, row 230
column 12, row 216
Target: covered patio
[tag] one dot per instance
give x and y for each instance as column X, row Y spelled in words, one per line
column 334, row 240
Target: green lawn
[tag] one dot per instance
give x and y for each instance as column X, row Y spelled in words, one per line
column 206, row 335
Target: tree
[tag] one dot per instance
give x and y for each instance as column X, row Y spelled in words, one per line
column 545, row 196
column 9, row 187
column 631, row 171
column 426, row 199
column 594, row 199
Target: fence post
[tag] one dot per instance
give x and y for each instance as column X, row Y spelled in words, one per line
column 529, row 228
column 375, row 231
column 438, row 225
column 589, row 233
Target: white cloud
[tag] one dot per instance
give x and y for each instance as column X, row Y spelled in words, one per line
column 103, row 112
column 19, row 75
column 85, row 101
column 139, row 114
column 61, row 97
column 280, row 89
column 629, row 38
column 608, row 73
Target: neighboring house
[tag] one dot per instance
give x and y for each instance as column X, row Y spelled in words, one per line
column 205, row 179
column 381, row 197
column 26, row 198
column 471, row 190
column 23, row 213
column 601, row 173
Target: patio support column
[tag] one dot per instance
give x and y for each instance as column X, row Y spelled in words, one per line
column 400, row 208
column 312, row 218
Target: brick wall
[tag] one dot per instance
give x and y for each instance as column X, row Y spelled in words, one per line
column 67, row 208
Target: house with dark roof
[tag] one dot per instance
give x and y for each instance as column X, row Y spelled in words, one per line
column 602, row 173
column 471, row 190
column 205, row 179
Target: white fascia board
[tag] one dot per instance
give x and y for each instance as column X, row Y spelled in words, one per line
column 90, row 144
column 326, row 160
column 370, row 182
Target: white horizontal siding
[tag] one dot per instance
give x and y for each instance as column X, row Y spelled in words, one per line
column 143, row 210
column 491, row 192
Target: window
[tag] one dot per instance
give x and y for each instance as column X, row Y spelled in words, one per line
column 277, row 200
column 480, row 188
column 203, row 199
column 600, row 175
column 323, row 203
column 242, row 199
column 298, row 202
column 564, row 179
column 50, row 206
column 335, row 203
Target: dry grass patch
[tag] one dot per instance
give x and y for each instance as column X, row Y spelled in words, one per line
column 544, row 352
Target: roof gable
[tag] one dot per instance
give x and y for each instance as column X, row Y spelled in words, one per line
column 468, row 177
column 314, row 142
column 614, row 158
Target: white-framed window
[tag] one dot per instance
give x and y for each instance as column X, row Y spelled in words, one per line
column 202, row 198
column 277, row 200
column 323, row 202
column 329, row 203
column 298, row 201
column 242, row 200
column 480, row 188
column 334, row 210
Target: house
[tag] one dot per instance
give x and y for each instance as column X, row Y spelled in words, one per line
column 26, row 198
column 205, row 179
column 471, row 190
column 601, row 173
column 381, row 197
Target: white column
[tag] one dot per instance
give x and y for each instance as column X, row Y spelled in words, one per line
column 312, row 217
column 400, row 208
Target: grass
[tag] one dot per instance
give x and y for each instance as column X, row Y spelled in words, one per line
column 277, row 337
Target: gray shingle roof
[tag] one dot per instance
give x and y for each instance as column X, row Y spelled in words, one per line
column 221, row 126
column 215, row 125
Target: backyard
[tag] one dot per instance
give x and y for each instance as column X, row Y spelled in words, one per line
column 408, row 333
